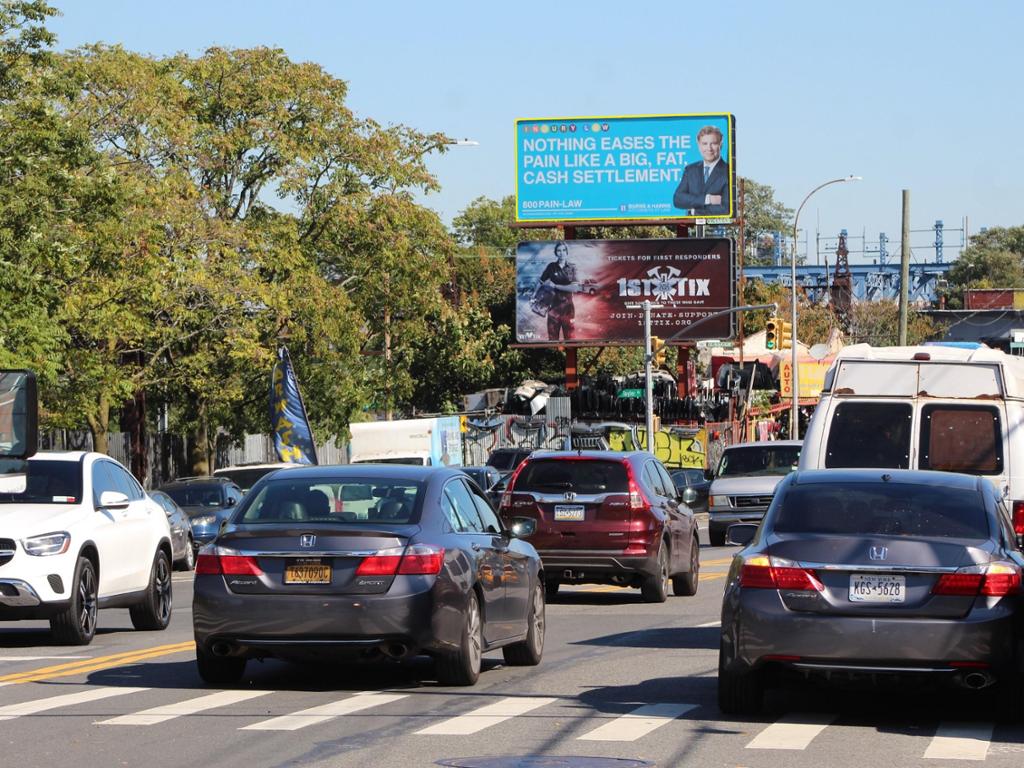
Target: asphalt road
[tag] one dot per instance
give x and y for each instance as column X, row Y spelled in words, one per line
column 620, row 679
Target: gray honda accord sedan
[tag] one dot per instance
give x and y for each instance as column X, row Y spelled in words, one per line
column 368, row 562
column 875, row 575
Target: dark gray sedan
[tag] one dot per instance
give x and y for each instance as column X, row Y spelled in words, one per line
column 368, row 562
column 868, row 575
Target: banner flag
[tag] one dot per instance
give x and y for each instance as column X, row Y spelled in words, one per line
column 293, row 437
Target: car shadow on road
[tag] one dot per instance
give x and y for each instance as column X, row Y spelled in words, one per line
column 273, row 674
column 660, row 637
column 41, row 639
column 618, row 597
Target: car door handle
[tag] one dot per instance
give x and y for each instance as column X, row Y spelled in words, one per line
column 475, row 547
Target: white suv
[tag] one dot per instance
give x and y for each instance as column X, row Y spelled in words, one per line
column 82, row 536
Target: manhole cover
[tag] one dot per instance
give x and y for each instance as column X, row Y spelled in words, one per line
column 541, row 761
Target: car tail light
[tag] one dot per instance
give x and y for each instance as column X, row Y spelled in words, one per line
column 1018, row 517
column 417, row 560
column 989, row 580
column 506, row 497
column 637, row 501
column 227, row 565
column 763, row 572
column 422, row 560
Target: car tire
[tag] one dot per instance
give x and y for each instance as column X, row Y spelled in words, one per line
column 76, row 624
column 154, row 612
column 219, row 670
column 655, row 587
column 685, row 584
column 717, row 538
column 529, row 652
column 739, row 693
column 551, row 589
column 462, row 667
column 188, row 562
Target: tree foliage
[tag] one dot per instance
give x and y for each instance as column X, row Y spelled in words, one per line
column 994, row 259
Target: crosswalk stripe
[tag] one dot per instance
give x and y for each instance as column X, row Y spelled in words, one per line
column 637, row 723
column 12, row 711
column 315, row 715
column 792, row 732
column 960, row 741
column 184, row 708
column 486, row 716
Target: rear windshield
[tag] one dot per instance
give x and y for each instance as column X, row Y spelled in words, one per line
column 579, row 476
column 962, row 438
column 332, row 500
column 869, row 435
column 759, row 460
column 883, row 509
column 49, row 482
column 197, row 495
column 506, row 460
column 245, row 478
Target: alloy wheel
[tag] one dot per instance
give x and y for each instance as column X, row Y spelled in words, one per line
column 473, row 630
column 87, row 601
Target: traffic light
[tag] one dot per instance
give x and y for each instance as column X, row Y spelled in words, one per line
column 771, row 334
column 658, row 351
column 785, row 334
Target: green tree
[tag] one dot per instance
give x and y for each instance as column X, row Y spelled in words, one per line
column 877, row 323
column 994, row 259
column 763, row 215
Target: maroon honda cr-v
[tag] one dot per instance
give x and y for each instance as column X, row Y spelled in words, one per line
column 605, row 517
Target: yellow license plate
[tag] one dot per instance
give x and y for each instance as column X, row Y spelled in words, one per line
column 306, row 573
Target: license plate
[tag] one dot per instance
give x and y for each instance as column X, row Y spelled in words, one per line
column 877, row 589
column 307, row 573
column 569, row 512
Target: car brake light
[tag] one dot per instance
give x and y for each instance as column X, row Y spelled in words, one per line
column 227, row 565
column 637, row 501
column 763, row 572
column 417, row 560
column 506, row 497
column 990, row 580
column 1018, row 518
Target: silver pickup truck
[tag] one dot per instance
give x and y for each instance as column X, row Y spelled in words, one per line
column 744, row 483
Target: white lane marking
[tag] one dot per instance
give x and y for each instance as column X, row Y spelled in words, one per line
column 709, row 624
column 315, row 715
column 960, row 741
column 792, row 732
column 12, row 711
column 40, row 658
column 639, row 722
column 184, row 708
column 486, row 716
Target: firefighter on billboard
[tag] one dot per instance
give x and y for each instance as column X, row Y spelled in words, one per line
column 553, row 296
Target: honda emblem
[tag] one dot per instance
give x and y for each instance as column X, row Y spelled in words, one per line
column 307, row 540
column 570, row 496
column 878, row 553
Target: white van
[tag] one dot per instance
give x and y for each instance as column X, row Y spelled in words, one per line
column 926, row 407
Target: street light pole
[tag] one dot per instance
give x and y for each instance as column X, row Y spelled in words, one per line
column 794, row 414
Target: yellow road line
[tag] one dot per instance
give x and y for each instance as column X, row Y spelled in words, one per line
column 98, row 663
column 722, row 561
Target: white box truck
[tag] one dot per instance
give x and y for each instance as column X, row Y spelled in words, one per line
column 422, row 442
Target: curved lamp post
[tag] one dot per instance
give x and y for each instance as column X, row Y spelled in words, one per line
column 794, row 415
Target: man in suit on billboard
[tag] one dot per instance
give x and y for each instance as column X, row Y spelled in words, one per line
column 704, row 188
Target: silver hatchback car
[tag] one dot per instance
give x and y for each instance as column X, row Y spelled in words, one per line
column 870, row 575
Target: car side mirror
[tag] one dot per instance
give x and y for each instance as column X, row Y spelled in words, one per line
column 113, row 500
column 523, row 527
column 740, row 534
column 709, row 474
column 689, row 496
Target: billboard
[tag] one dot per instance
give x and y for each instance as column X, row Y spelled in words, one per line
column 626, row 168
column 587, row 291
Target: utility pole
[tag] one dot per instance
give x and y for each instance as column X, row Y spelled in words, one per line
column 905, row 268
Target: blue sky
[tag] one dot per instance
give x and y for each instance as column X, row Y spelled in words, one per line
column 911, row 95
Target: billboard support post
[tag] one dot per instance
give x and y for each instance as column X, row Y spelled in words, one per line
column 648, row 383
